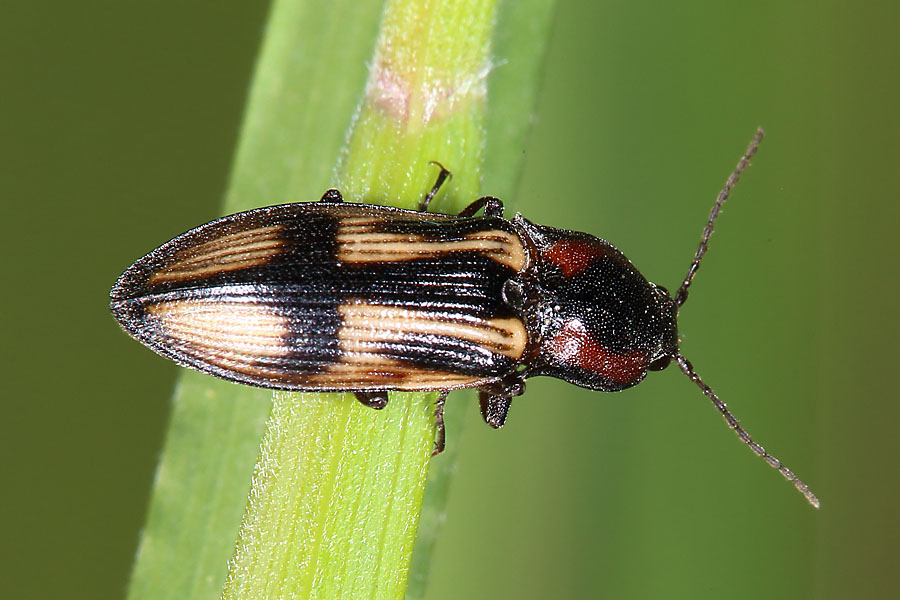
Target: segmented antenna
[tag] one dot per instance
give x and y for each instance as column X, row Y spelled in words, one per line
column 734, row 424
column 682, row 294
column 680, row 299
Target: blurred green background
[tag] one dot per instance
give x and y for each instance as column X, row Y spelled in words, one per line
column 117, row 129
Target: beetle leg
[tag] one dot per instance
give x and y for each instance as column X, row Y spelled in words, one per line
column 441, row 437
column 376, row 400
column 493, row 207
column 441, row 178
column 495, row 399
column 494, row 408
column 332, row 195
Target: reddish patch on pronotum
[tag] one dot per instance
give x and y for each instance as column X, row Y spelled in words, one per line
column 574, row 256
column 575, row 345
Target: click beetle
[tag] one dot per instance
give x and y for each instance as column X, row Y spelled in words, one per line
column 331, row 296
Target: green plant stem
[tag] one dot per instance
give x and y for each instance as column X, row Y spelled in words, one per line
column 307, row 85
column 299, row 106
column 336, row 496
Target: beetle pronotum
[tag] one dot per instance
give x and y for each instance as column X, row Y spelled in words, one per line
column 339, row 297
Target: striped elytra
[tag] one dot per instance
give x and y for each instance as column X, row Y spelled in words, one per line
column 332, row 296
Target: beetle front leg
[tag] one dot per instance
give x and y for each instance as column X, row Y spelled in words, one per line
column 494, row 408
column 495, row 400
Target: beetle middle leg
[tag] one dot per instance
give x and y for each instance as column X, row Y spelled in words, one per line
column 493, row 207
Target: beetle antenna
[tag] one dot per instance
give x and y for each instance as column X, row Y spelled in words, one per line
column 682, row 294
column 734, row 424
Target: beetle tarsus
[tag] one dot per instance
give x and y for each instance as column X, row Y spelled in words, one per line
column 441, row 437
column 376, row 400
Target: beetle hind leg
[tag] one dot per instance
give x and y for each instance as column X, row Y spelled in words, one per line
column 493, row 207
column 443, row 176
column 332, row 195
column 441, row 437
column 376, row 400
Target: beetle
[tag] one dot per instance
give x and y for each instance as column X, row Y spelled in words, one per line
column 340, row 297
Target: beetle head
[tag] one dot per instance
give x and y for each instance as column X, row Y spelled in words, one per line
column 602, row 324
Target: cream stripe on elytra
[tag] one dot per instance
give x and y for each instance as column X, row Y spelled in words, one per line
column 374, row 371
column 361, row 244
column 356, row 221
column 252, row 255
column 235, row 239
column 365, row 326
column 268, row 243
column 215, row 329
column 245, row 262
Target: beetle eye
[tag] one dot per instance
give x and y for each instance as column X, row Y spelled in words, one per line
column 663, row 289
column 660, row 363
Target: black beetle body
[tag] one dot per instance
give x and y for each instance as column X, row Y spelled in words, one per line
column 330, row 296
